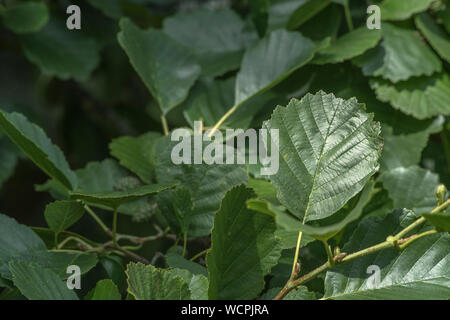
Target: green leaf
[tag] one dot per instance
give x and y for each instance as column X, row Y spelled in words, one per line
column 175, row 260
column 37, row 283
column 288, row 238
column 210, row 99
column 419, row 272
column 60, row 215
column 440, row 220
column 404, row 150
column 177, row 207
column 136, row 154
column 218, row 47
column 114, row 268
column 165, row 66
column 323, row 232
column 242, row 235
column 100, row 176
column 199, row 287
column 61, row 53
column 270, row 61
column 264, row 190
column 33, row 141
column 114, row 199
column 402, row 54
column 438, row 38
column 401, row 10
column 109, row 176
column 150, row 283
column 329, row 148
column 305, row 12
column 106, row 290
column 198, row 284
column 25, row 17
column 280, row 11
column 422, row 97
column 413, row 188
column 18, row 242
column 348, row 46
column 55, row 261
column 207, row 183
column 301, row 293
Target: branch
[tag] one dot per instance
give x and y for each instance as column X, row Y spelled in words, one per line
column 391, row 242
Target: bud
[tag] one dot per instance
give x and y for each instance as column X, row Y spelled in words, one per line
column 297, row 268
column 441, row 193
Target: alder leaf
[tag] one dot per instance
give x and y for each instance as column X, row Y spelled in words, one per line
column 401, row 10
column 37, row 283
column 404, row 150
column 421, row 97
column 174, row 260
column 419, row 272
column 328, row 150
column 145, row 282
column 402, row 54
column 105, row 290
column 198, row 284
column 413, row 188
column 165, row 66
column 318, row 232
column 270, row 61
column 438, row 38
column 348, row 46
column 207, row 184
column 60, row 52
column 60, row 215
column 25, row 17
column 243, row 235
column 441, row 220
column 113, row 199
column 301, row 293
column 136, row 154
column 218, row 47
column 33, row 141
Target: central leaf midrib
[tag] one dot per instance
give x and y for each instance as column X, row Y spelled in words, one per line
column 318, row 161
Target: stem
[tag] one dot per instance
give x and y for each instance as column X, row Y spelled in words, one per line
column 421, row 220
column 329, row 253
column 165, row 125
column 114, row 235
column 348, row 16
column 66, row 240
column 184, row 244
column 392, row 242
column 198, row 255
column 133, row 255
column 416, row 237
column 297, row 250
column 97, row 219
column 224, row 117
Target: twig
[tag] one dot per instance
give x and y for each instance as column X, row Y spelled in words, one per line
column 396, row 241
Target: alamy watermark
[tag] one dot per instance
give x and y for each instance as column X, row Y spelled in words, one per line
column 211, row 147
column 74, row 280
